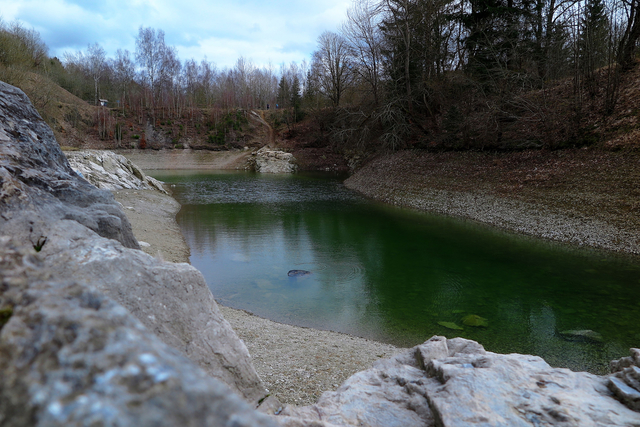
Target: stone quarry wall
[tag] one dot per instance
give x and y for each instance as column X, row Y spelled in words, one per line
column 95, row 332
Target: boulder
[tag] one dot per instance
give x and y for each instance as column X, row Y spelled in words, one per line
column 457, row 383
column 111, row 171
column 71, row 356
column 267, row 160
column 36, row 180
column 81, row 233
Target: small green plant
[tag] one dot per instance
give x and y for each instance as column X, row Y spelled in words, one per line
column 38, row 245
column 136, row 136
column 5, row 315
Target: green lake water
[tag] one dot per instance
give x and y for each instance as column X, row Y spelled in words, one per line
column 400, row 276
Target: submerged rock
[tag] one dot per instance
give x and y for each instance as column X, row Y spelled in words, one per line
column 475, row 320
column 298, row 273
column 583, row 335
column 451, row 325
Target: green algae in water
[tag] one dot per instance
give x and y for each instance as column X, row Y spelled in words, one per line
column 451, row 325
column 475, row 320
column 389, row 274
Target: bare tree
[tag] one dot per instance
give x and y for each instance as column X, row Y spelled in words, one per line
column 332, row 66
column 95, row 65
column 124, row 72
column 150, row 53
column 361, row 31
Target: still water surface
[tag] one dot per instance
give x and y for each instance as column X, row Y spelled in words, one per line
column 395, row 275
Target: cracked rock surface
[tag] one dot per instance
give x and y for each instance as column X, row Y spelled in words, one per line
column 457, row 383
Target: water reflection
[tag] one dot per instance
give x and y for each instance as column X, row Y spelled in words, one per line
column 398, row 276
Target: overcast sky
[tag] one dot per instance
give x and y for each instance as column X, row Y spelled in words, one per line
column 261, row 31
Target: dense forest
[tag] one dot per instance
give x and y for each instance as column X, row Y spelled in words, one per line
column 437, row 74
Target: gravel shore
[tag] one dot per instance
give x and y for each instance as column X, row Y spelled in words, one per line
column 296, row 364
column 581, row 197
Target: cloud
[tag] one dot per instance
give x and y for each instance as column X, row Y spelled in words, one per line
column 280, row 30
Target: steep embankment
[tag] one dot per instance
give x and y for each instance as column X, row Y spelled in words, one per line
column 582, row 197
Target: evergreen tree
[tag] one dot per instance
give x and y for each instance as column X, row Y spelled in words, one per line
column 284, row 93
column 498, row 36
column 295, row 99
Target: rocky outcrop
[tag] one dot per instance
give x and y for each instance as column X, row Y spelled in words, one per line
column 457, row 383
column 81, row 234
column 268, row 160
column 111, row 171
column 70, row 356
column 36, row 180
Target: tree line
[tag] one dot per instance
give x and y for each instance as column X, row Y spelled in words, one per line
column 397, row 73
column 458, row 73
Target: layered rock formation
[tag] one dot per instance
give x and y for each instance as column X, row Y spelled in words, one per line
column 111, row 171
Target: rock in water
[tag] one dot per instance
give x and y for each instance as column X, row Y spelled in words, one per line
column 475, row 320
column 583, row 335
column 298, row 273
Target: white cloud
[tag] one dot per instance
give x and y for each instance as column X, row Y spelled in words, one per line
column 280, row 31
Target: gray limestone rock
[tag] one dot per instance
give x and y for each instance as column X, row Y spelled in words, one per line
column 171, row 300
column 268, row 160
column 44, row 204
column 110, row 171
column 457, row 383
column 36, row 177
column 70, row 356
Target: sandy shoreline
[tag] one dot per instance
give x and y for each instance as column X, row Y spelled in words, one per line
column 296, row 364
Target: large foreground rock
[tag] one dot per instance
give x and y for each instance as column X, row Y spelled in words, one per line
column 457, row 383
column 82, row 234
column 70, row 356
